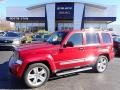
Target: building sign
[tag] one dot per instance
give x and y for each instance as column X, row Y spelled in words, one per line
column 64, row 11
column 25, row 18
column 18, row 18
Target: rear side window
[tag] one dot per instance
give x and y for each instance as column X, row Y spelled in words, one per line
column 76, row 39
column 92, row 38
column 106, row 38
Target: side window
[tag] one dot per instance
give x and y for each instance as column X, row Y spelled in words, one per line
column 92, row 38
column 106, row 38
column 76, row 39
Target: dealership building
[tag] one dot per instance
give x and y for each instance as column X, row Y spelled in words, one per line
column 62, row 15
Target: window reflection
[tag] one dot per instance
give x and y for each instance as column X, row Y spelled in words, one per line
column 30, row 27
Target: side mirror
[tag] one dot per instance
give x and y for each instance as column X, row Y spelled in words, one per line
column 68, row 44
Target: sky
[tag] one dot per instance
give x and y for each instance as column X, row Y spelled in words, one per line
column 9, row 3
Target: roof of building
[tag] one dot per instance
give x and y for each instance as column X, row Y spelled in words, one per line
column 58, row 1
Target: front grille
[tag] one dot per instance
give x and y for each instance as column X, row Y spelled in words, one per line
column 6, row 41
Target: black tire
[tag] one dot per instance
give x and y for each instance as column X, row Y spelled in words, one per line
column 98, row 67
column 116, row 51
column 31, row 70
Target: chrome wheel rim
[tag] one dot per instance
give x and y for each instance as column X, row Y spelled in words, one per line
column 37, row 76
column 102, row 64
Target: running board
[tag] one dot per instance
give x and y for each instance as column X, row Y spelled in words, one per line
column 73, row 71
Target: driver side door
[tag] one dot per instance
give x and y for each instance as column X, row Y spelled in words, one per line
column 71, row 56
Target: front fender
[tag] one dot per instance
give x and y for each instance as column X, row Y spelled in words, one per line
column 37, row 58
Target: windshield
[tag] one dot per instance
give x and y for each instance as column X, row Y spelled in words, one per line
column 11, row 34
column 57, row 38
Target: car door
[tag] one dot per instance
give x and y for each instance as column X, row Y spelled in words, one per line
column 71, row 56
column 92, row 47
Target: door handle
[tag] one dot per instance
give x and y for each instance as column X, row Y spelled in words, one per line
column 81, row 48
column 98, row 47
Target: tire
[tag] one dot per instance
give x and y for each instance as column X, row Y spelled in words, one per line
column 115, row 51
column 36, row 75
column 101, row 64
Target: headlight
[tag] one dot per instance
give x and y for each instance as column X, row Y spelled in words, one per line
column 16, row 42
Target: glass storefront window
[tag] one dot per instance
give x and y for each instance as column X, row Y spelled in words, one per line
column 35, row 27
column 30, row 27
column 23, row 27
column 38, row 26
column 64, row 26
column 42, row 26
column 17, row 26
column 101, row 26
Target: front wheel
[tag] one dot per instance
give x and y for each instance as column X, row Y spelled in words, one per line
column 101, row 64
column 36, row 75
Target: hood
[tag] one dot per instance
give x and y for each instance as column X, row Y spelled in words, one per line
column 35, row 46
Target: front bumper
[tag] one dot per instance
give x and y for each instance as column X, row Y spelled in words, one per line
column 14, row 65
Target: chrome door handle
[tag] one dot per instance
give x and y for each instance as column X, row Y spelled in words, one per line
column 81, row 48
column 98, row 47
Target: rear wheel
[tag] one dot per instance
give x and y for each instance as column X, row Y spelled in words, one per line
column 36, row 75
column 115, row 51
column 101, row 64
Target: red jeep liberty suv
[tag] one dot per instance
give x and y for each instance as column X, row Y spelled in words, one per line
column 65, row 52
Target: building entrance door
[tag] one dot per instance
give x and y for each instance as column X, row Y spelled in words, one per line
column 64, row 26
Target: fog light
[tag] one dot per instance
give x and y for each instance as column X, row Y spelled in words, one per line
column 18, row 62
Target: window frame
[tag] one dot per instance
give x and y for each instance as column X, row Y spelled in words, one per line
column 103, row 38
column 73, row 34
column 92, row 43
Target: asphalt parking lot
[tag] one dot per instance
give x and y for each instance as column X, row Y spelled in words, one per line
column 109, row 80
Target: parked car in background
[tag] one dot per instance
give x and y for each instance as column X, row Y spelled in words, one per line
column 116, row 41
column 114, row 35
column 2, row 33
column 40, row 37
column 65, row 52
column 11, row 39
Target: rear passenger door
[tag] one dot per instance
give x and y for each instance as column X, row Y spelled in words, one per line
column 92, row 47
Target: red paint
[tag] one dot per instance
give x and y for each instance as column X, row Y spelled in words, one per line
column 59, row 57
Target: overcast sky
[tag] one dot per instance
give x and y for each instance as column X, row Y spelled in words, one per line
column 9, row 3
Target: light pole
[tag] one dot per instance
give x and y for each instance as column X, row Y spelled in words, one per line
column 0, row 18
column 1, row 15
